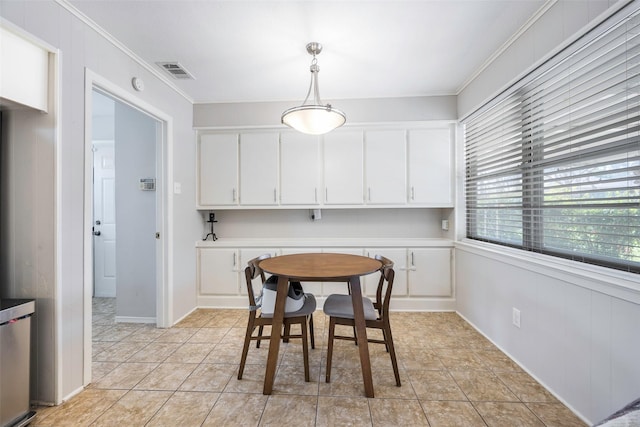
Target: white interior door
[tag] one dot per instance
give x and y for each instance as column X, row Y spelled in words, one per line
column 104, row 220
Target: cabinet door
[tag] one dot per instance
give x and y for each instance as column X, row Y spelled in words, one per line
column 343, row 168
column 217, row 271
column 430, row 177
column 385, row 167
column 299, row 169
column 218, row 169
column 329, row 288
column 399, row 258
column 259, row 168
column 430, row 272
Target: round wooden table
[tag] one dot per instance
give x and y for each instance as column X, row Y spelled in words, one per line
column 319, row 267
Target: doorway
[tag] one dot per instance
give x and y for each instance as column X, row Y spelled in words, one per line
column 104, row 196
column 125, row 208
column 125, row 254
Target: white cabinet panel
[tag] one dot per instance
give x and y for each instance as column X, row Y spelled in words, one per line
column 218, row 169
column 299, row 169
column 259, row 168
column 430, row 167
column 343, row 168
column 385, row 167
column 430, row 272
column 217, row 271
column 399, row 258
column 382, row 167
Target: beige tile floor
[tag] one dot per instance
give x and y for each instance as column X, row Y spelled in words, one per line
column 186, row 376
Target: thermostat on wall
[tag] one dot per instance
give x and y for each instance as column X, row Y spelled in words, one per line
column 148, row 184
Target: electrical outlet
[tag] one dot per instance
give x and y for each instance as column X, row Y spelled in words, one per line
column 516, row 317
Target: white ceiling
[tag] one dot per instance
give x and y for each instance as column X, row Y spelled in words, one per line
column 241, row 51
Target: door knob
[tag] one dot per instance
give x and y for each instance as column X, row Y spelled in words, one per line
column 97, row 233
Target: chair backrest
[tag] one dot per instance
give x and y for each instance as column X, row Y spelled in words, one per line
column 251, row 272
column 383, row 293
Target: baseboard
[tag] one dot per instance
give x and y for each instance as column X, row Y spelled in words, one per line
column 128, row 319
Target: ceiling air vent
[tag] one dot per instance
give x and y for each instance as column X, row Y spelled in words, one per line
column 176, row 70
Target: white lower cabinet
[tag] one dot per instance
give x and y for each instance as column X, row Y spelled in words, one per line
column 399, row 258
column 217, row 271
column 429, row 272
column 420, row 272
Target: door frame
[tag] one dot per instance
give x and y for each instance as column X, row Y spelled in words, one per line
column 164, row 203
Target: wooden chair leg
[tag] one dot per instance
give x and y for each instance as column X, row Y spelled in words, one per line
column 332, row 325
column 260, row 329
column 287, row 332
column 392, row 353
column 386, row 340
column 245, row 348
column 313, row 340
column 305, row 348
column 355, row 336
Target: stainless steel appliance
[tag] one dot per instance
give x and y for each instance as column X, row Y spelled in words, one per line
column 15, row 355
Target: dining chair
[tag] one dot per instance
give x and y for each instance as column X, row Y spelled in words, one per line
column 258, row 319
column 339, row 308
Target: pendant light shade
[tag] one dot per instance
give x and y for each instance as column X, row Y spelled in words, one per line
column 314, row 118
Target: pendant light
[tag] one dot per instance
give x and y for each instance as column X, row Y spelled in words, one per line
column 313, row 118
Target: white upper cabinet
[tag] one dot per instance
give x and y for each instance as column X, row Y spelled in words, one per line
column 379, row 167
column 430, row 171
column 299, row 169
column 259, row 168
column 24, row 71
column 343, row 168
column 386, row 167
column 218, row 170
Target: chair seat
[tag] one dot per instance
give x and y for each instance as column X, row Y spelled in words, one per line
column 342, row 306
column 308, row 308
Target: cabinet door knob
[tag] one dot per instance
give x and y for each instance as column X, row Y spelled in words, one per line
column 97, row 233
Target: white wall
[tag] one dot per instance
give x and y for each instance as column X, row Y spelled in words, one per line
column 81, row 46
column 135, row 158
column 358, row 111
column 578, row 332
column 335, row 223
column 576, row 338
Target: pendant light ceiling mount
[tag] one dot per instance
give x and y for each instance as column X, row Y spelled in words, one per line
column 314, row 48
column 313, row 118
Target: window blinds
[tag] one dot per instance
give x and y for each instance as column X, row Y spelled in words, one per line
column 553, row 166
